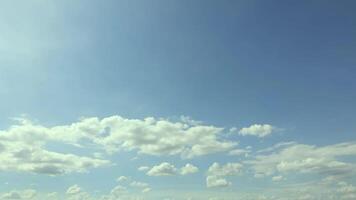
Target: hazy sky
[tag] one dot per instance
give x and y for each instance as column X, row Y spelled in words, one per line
column 178, row 100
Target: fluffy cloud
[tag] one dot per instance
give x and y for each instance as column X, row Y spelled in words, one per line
column 23, row 146
column 138, row 184
column 303, row 158
column 20, row 156
column 259, row 130
column 75, row 189
column 163, row 169
column 118, row 190
column 143, row 168
column 216, row 181
column 149, row 136
column 229, row 169
column 167, row 169
column 130, row 184
column 76, row 193
column 28, row 194
column 52, row 195
column 328, row 190
column 162, row 137
column 121, row 179
column 188, row 169
column 216, row 174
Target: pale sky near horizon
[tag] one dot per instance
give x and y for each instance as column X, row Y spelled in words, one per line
column 183, row 100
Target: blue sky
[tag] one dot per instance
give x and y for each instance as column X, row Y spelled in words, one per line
column 216, row 76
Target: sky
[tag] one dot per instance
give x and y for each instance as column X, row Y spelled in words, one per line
column 177, row 100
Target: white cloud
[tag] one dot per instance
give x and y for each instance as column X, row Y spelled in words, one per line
column 76, row 193
column 277, row 178
column 229, row 169
column 118, row 192
column 138, row 184
column 52, row 195
column 190, row 121
column 133, row 184
column 163, row 169
column 277, row 146
column 329, row 190
column 19, row 156
column 148, row 136
column 143, row 168
column 189, row 169
column 121, row 179
column 233, row 130
column 75, row 189
column 145, row 190
column 259, row 130
column 23, row 146
column 167, row 169
column 238, row 152
column 346, row 191
column 27, row 194
column 216, row 174
column 216, row 181
column 301, row 158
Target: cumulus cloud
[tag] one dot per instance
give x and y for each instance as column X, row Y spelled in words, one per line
column 148, row 136
column 52, row 195
column 189, row 169
column 216, row 181
column 27, row 194
column 163, row 169
column 167, row 169
column 138, row 184
column 229, row 169
column 121, row 179
column 301, row 158
column 75, row 189
column 328, row 190
column 23, row 146
column 128, row 183
column 75, row 192
column 259, row 130
column 19, row 156
column 162, row 137
column 216, row 174
column 118, row 190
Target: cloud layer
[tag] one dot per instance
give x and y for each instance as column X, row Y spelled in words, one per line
column 23, row 146
column 28, row 147
column 217, row 174
column 301, row 158
column 259, row 130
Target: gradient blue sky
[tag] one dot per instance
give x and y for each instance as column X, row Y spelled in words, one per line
column 287, row 64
